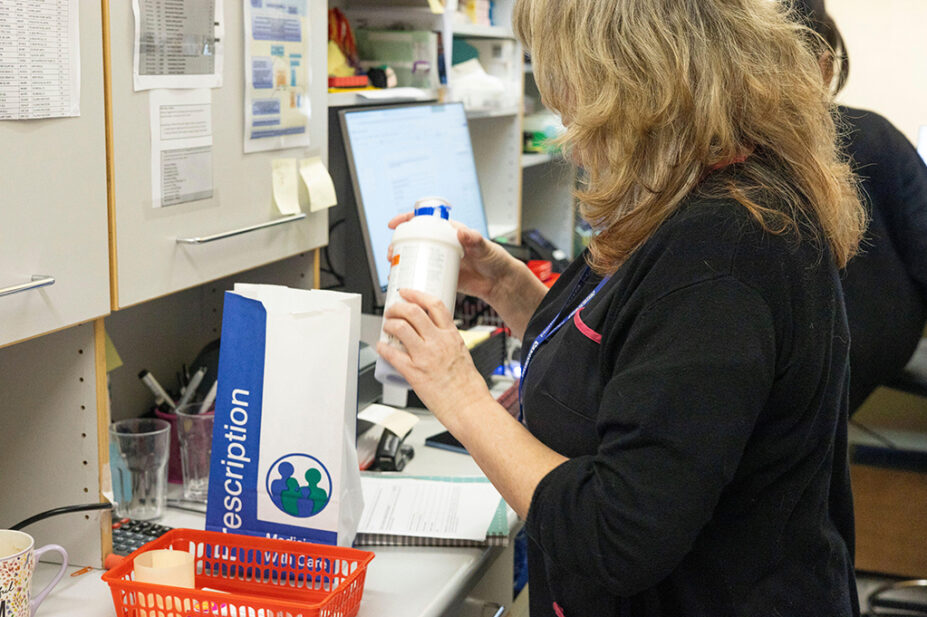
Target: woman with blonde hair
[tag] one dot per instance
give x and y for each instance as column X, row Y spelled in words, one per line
column 682, row 450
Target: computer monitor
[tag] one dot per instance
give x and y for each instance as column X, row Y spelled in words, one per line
column 399, row 154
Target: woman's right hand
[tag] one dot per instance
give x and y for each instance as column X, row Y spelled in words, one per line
column 484, row 263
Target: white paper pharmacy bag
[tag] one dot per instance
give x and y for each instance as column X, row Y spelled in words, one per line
column 284, row 463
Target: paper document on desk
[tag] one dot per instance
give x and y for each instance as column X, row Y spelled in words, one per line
column 428, row 508
column 396, row 420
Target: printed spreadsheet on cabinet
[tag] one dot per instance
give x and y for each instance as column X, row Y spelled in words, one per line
column 39, row 59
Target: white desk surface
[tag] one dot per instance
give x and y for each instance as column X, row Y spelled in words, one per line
column 401, row 581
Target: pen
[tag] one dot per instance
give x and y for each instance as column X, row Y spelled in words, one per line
column 192, row 385
column 161, row 396
column 210, row 398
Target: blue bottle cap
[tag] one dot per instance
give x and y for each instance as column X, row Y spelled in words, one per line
column 433, row 206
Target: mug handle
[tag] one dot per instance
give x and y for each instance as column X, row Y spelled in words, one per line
column 34, row 604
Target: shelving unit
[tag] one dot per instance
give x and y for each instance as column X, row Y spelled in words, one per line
column 547, row 193
column 504, row 112
column 495, row 132
column 350, row 98
column 479, row 31
column 519, row 190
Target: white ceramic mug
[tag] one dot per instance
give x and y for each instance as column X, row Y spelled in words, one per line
column 18, row 557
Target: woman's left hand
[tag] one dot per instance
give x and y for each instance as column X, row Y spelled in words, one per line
column 435, row 362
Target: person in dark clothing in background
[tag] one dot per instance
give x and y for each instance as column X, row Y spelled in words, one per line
column 885, row 286
column 684, row 391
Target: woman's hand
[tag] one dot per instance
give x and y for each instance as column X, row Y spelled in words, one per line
column 437, row 364
column 484, row 263
column 488, row 272
column 435, row 361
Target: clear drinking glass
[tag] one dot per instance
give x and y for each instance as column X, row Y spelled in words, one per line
column 195, row 432
column 143, row 445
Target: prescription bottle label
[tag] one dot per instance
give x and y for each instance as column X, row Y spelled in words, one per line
column 420, row 266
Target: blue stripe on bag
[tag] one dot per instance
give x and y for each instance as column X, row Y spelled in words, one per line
column 232, row 504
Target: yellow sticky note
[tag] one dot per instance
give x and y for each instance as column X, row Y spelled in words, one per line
column 319, row 183
column 437, row 6
column 286, row 186
column 113, row 361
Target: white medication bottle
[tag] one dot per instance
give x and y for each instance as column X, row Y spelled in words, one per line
column 426, row 257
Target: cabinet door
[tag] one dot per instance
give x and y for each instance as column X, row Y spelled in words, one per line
column 54, row 268
column 151, row 261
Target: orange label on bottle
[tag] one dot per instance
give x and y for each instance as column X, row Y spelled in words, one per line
column 395, row 261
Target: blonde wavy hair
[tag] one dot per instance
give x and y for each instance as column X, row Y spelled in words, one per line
column 656, row 94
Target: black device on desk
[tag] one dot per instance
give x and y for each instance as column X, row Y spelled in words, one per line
column 392, row 453
column 130, row 534
column 445, row 441
column 542, row 248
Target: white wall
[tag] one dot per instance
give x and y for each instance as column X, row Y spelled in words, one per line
column 887, row 43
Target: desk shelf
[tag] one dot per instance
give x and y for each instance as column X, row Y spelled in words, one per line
column 530, row 159
column 481, row 31
column 504, row 112
column 356, row 98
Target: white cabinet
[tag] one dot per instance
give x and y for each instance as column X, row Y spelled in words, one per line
column 519, row 191
column 162, row 250
column 54, row 265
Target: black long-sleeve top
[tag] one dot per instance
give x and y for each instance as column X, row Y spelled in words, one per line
column 701, row 400
column 886, row 284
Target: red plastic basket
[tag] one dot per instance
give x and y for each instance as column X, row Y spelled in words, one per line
column 246, row 576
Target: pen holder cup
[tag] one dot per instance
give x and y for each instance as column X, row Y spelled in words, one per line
column 194, row 432
column 174, row 465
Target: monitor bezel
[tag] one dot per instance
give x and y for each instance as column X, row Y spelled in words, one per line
column 379, row 294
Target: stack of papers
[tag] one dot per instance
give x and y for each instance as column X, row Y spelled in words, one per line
column 416, row 511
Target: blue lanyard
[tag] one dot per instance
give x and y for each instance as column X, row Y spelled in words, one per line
column 555, row 324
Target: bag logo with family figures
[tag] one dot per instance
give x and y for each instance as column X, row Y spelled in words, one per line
column 299, row 485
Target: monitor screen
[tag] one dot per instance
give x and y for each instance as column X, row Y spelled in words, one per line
column 398, row 155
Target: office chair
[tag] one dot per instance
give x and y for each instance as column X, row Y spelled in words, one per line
column 898, row 599
column 907, row 598
column 913, row 378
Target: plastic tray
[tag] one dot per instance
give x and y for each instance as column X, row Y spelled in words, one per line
column 246, row 576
